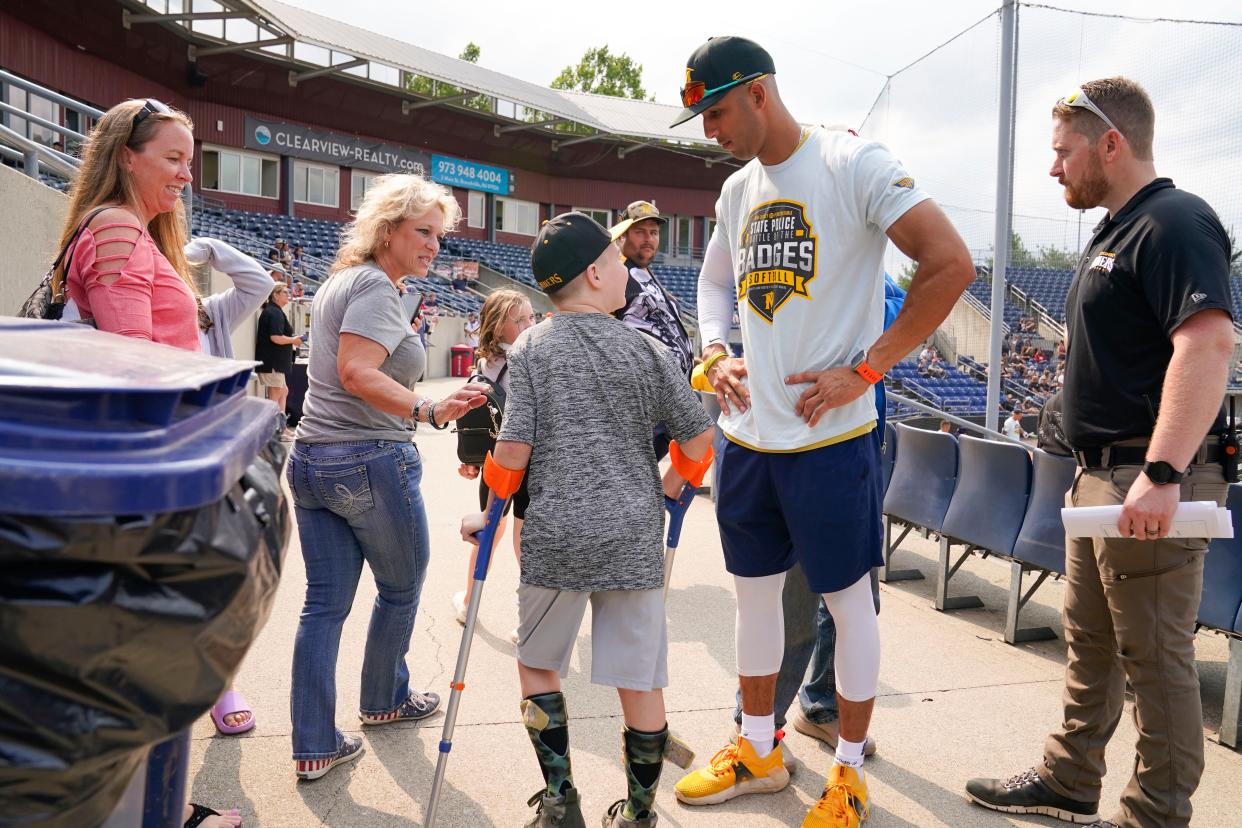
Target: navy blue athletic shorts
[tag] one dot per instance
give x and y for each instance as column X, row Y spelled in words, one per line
column 819, row 507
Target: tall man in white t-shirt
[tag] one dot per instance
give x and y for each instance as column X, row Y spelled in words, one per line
column 799, row 244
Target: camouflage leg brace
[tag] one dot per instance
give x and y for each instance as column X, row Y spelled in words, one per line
column 644, row 759
column 547, row 725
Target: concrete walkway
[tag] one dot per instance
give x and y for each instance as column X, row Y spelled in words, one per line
column 955, row 701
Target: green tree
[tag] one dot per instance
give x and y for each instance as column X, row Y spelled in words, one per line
column 907, row 275
column 435, row 89
column 603, row 73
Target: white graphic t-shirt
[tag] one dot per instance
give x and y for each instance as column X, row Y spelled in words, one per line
column 800, row 245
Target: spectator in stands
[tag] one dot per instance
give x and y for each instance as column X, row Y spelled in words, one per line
column 472, row 326
column 459, row 283
column 649, row 307
column 946, row 426
column 297, row 291
column 274, row 252
column 1012, row 426
column 277, row 273
column 129, row 271
column 795, row 175
column 926, row 355
column 296, row 257
column 1157, row 351
column 356, row 430
column 273, row 347
column 431, row 305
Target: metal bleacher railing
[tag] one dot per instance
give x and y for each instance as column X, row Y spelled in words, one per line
column 34, row 156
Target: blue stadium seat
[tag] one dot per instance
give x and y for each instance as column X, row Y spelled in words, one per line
column 993, row 486
column 1040, row 546
column 1221, row 609
column 920, row 490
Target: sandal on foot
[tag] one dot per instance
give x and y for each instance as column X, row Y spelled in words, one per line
column 230, row 704
column 420, row 705
column 201, row 812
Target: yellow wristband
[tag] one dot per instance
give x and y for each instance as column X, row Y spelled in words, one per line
column 712, row 360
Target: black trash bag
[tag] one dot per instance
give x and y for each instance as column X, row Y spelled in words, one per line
column 1050, row 431
column 117, row 633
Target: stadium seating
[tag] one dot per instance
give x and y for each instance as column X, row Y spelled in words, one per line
column 1044, row 285
column 919, row 492
column 981, row 289
column 985, row 514
column 956, row 392
column 1040, row 545
column 1220, row 608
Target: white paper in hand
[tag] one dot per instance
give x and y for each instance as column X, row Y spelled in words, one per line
column 1197, row 519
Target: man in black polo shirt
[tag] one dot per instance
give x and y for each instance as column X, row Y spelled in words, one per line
column 1150, row 340
column 649, row 307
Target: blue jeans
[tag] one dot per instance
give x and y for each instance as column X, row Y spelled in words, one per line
column 810, row 638
column 354, row 502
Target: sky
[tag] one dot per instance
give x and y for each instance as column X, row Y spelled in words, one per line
column 834, row 58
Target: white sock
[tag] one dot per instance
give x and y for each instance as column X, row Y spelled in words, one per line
column 850, row 753
column 760, row 731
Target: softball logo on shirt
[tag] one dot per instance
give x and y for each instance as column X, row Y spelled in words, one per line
column 776, row 257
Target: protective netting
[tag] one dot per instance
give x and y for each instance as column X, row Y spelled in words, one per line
column 939, row 115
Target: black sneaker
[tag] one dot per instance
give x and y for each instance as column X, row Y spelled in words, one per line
column 556, row 811
column 1027, row 794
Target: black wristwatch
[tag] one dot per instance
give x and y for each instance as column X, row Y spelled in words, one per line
column 1162, row 474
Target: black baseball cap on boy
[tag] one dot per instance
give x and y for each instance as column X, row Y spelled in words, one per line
column 565, row 247
column 718, row 66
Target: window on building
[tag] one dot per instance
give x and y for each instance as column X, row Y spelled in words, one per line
column 604, row 217
column 709, row 225
column 685, row 235
column 476, row 210
column 359, row 183
column 234, row 171
column 315, row 183
column 514, row 216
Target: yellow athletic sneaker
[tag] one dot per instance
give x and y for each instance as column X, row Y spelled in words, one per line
column 735, row 770
column 844, row 803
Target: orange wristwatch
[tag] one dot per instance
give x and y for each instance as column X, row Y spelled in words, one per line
column 860, row 367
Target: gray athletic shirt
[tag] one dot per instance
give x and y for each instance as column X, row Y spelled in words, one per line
column 360, row 300
column 585, row 391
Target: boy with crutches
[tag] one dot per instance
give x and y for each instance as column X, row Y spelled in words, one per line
column 585, row 393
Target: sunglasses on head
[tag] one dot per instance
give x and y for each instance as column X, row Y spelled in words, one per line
column 1078, row 98
column 695, row 92
column 151, row 106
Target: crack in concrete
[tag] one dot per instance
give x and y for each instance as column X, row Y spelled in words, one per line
column 436, row 654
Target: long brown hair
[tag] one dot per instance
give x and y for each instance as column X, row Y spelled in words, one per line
column 103, row 179
column 492, row 317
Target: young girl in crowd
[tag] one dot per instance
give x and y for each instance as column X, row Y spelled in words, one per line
column 504, row 316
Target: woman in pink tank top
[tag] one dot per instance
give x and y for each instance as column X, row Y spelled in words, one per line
column 128, row 271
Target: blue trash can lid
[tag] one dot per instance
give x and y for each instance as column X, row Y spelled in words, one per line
column 94, row 423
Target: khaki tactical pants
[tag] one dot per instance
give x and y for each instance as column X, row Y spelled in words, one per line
column 1130, row 608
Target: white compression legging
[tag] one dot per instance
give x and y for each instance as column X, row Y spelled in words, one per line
column 761, row 632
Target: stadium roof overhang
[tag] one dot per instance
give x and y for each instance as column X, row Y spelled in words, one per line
column 317, row 46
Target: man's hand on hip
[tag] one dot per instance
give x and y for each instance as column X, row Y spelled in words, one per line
column 829, row 389
column 1148, row 511
column 728, row 377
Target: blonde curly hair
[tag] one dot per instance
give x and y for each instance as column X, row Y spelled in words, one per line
column 390, row 200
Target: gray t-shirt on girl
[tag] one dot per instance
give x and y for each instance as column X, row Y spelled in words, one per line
column 585, row 391
column 359, row 300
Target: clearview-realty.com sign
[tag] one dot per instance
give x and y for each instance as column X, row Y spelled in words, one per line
column 332, row 147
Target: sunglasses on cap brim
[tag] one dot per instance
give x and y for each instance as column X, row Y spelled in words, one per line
column 1078, row 98
column 695, row 92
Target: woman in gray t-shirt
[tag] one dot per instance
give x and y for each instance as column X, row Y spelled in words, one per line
column 355, row 471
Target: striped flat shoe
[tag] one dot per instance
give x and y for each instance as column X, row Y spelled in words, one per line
column 351, row 749
column 420, row 705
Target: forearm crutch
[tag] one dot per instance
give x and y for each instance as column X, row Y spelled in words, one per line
column 693, row 471
column 503, row 482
